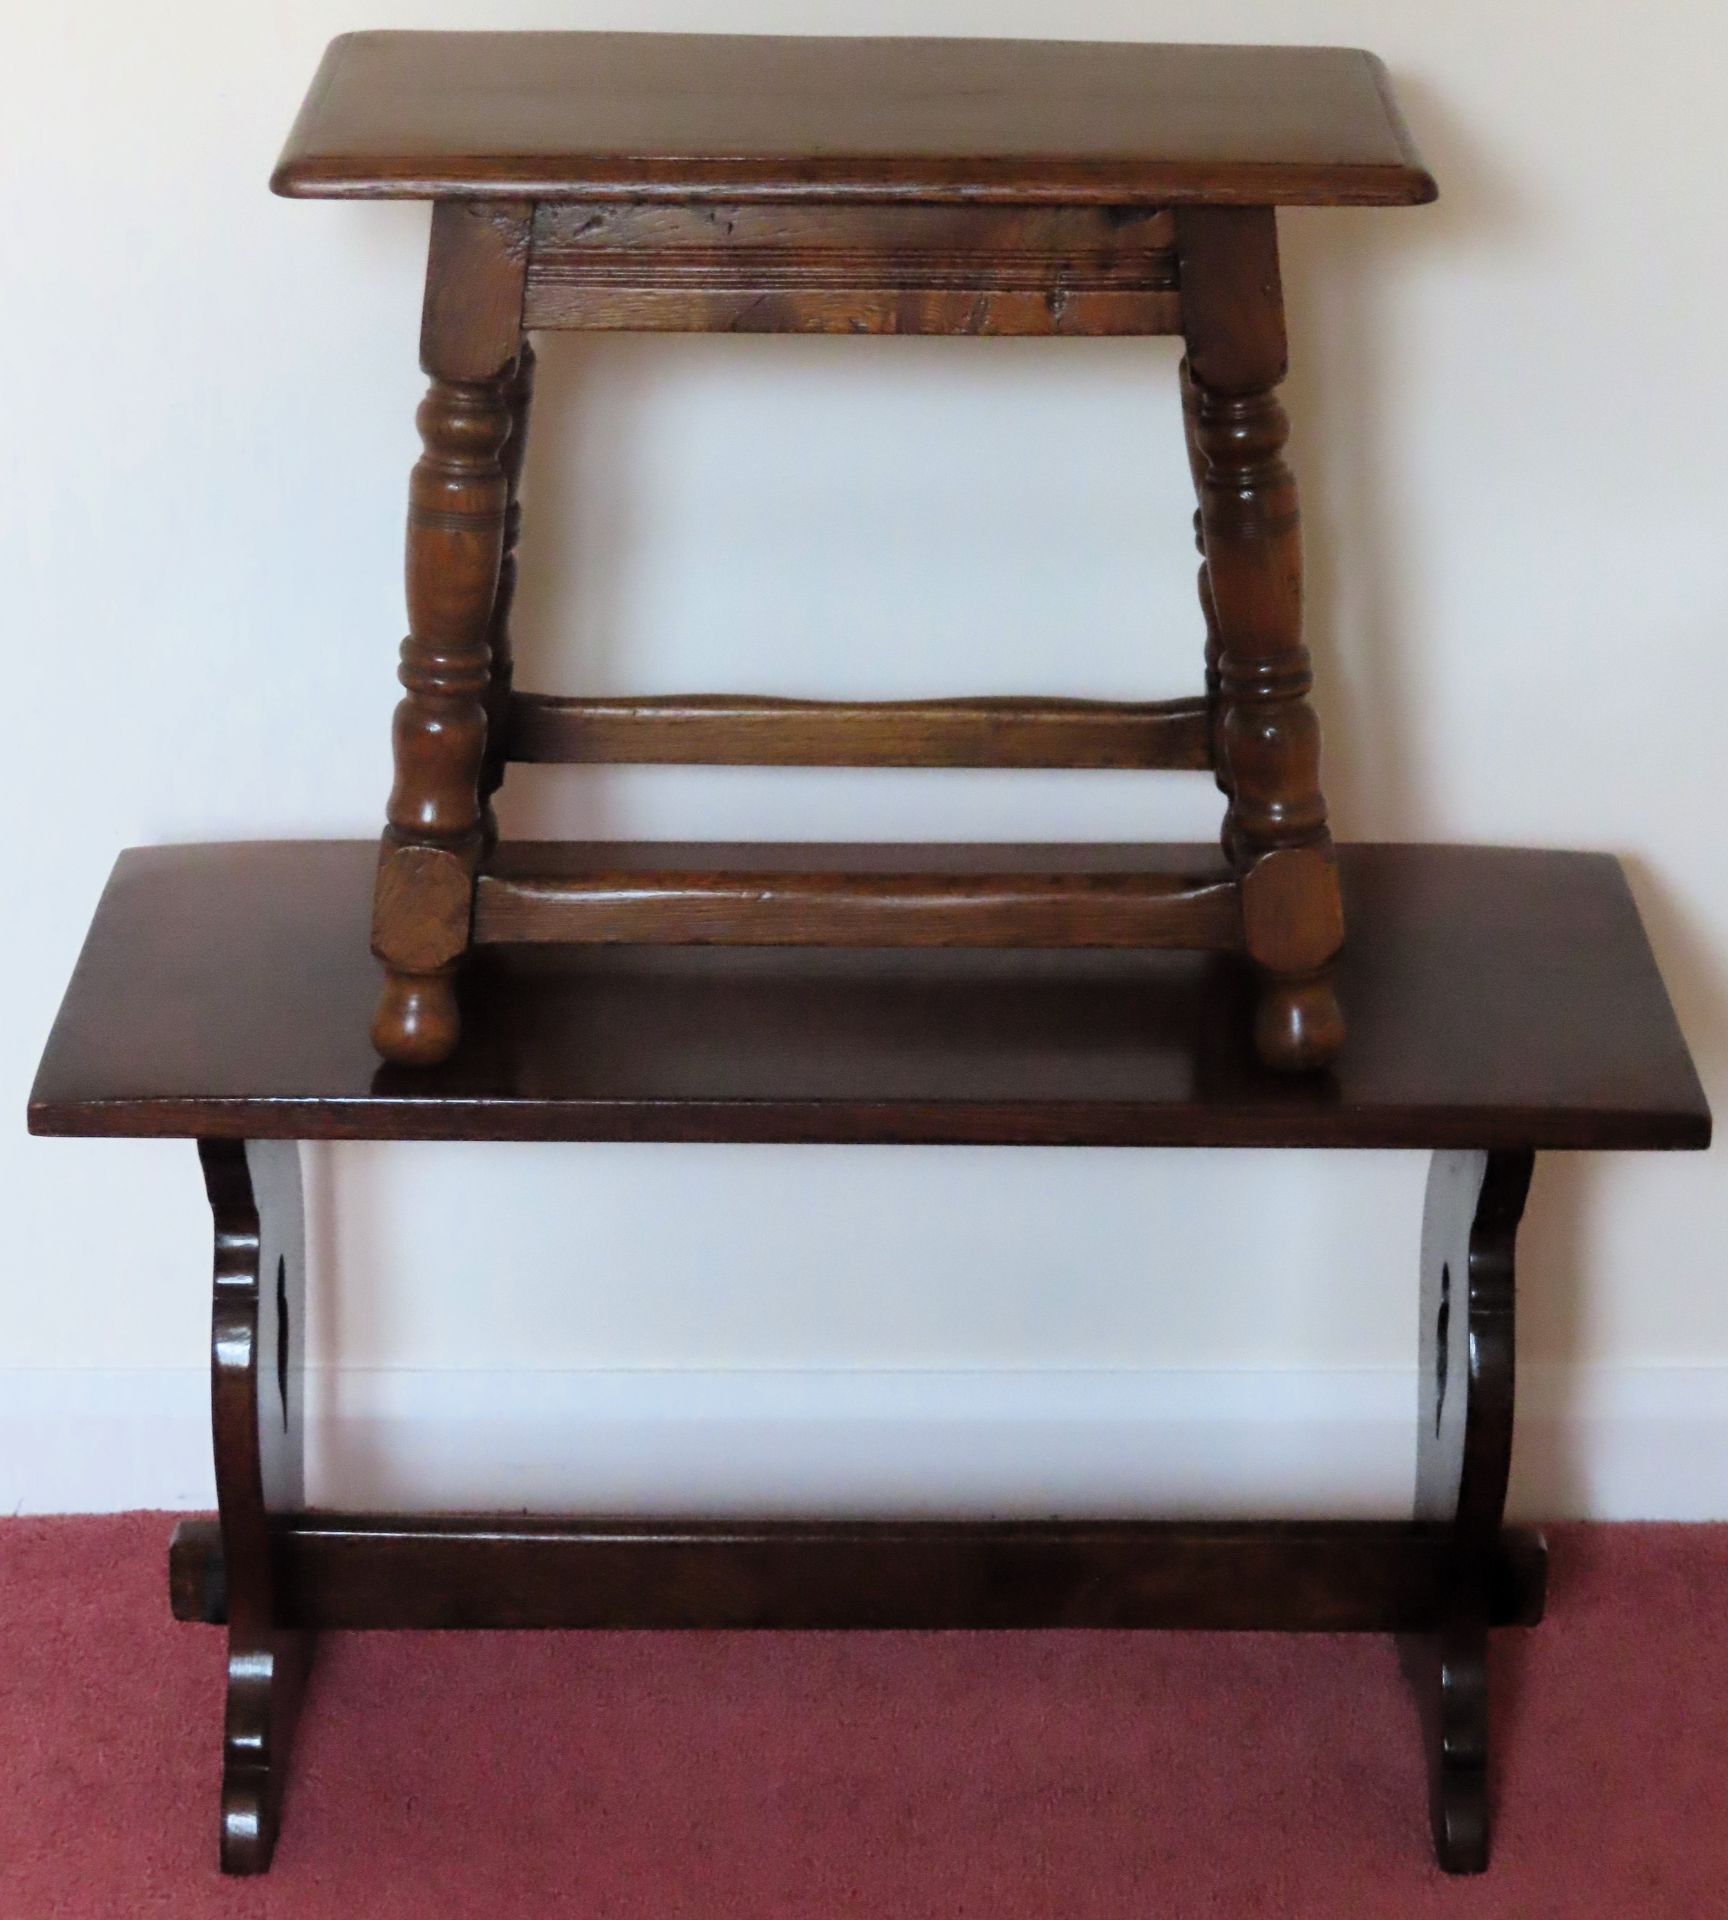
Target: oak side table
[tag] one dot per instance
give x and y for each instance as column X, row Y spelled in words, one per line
column 1504, row 1003
column 701, row 184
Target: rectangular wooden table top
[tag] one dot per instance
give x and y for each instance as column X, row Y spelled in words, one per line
column 583, row 116
column 1496, row 999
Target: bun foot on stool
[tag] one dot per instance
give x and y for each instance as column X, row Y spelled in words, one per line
column 1293, row 928
column 417, row 1023
column 1298, row 1025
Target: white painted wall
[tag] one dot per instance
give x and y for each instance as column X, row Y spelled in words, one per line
column 1509, row 411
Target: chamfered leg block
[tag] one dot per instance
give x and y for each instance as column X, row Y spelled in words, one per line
column 1269, row 738
column 459, row 498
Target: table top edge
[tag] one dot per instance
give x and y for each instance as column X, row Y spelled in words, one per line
column 794, row 1122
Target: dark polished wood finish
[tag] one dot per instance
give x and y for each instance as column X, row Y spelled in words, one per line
column 679, row 183
column 458, row 513
column 923, row 269
column 1467, row 1380
column 519, row 401
column 1268, row 736
column 1509, row 1001
column 256, row 1397
column 802, row 896
column 1215, row 757
column 692, row 117
column 1500, row 1002
column 1499, row 999
column 740, row 730
column 442, row 1570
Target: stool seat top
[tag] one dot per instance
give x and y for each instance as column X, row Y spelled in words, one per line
column 576, row 116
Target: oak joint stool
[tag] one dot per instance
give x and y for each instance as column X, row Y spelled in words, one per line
column 740, row 184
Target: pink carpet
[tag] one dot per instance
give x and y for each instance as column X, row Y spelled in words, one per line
column 651, row 1777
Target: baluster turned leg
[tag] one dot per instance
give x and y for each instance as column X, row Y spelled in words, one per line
column 256, row 1370
column 1293, row 926
column 519, row 399
column 1214, row 645
column 458, row 500
column 1464, row 1456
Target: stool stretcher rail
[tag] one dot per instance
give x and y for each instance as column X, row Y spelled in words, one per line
column 753, row 730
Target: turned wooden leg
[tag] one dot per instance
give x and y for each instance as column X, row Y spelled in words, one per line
column 519, row 399
column 1293, row 923
column 256, row 1365
column 1214, row 645
column 458, row 501
column 1464, row 1454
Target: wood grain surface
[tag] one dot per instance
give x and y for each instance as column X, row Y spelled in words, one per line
column 1497, row 999
column 681, row 117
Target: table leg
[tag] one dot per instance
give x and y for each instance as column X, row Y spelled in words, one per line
column 1464, row 1455
column 470, row 345
column 257, row 1368
column 1233, row 321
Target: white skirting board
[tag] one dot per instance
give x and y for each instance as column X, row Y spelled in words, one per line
column 1597, row 1443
